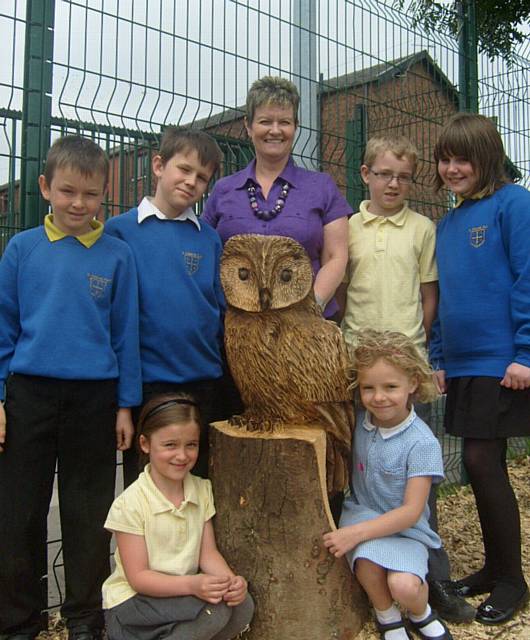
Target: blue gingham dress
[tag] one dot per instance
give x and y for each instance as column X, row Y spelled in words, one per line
column 381, row 469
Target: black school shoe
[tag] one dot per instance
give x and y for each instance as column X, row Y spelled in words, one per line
column 391, row 626
column 84, row 632
column 490, row 614
column 464, row 590
column 449, row 605
column 432, row 617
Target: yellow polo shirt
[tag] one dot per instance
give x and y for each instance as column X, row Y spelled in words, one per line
column 172, row 535
column 389, row 257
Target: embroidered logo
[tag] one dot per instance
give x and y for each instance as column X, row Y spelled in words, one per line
column 191, row 260
column 477, row 236
column 98, row 285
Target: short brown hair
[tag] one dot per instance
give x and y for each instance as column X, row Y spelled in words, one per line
column 474, row 138
column 163, row 410
column 272, row 90
column 397, row 350
column 400, row 146
column 175, row 140
column 79, row 154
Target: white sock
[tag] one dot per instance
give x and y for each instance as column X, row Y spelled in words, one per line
column 434, row 629
column 388, row 616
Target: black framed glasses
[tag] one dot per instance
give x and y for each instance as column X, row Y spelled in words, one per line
column 388, row 176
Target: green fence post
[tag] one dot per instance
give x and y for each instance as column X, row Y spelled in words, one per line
column 36, row 106
column 355, row 143
column 468, row 57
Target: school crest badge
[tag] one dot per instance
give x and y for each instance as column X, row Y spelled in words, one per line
column 477, row 236
column 192, row 261
column 98, row 285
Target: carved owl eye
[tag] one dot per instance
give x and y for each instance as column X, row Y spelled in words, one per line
column 286, row 275
column 243, row 273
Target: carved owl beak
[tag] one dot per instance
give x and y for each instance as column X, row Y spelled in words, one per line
column 264, row 299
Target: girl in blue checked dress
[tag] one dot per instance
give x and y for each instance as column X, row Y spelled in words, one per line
column 170, row 580
column 480, row 345
column 384, row 529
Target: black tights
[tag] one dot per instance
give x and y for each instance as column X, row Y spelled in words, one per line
column 485, row 463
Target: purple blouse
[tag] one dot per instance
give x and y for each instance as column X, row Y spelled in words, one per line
column 313, row 201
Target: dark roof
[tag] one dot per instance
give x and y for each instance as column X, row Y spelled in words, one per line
column 377, row 73
column 387, row 71
column 223, row 117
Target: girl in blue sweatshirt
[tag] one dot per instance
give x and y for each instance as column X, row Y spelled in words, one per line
column 481, row 342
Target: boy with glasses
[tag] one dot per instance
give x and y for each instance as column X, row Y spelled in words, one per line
column 392, row 285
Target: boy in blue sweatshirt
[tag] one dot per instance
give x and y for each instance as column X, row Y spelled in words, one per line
column 181, row 300
column 69, row 358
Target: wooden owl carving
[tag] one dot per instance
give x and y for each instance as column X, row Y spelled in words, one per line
column 288, row 362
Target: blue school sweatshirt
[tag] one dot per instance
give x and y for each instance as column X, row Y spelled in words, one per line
column 70, row 312
column 483, row 257
column 181, row 300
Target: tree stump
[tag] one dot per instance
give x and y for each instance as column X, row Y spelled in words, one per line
column 272, row 509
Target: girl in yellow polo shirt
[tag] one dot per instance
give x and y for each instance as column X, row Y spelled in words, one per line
column 170, row 580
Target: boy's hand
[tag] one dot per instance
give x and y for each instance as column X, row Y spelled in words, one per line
column 237, row 591
column 342, row 540
column 516, row 377
column 210, row 588
column 440, row 381
column 2, row 427
column 124, row 429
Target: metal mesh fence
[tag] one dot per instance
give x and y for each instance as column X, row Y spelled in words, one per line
column 120, row 70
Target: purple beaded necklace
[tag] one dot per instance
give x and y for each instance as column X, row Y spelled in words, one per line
column 272, row 213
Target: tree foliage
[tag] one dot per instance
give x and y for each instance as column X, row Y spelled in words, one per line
column 499, row 22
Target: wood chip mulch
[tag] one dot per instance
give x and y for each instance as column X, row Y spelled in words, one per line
column 460, row 531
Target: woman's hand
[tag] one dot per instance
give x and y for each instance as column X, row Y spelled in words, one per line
column 210, row 588
column 516, row 377
column 237, row 591
column 342, row 540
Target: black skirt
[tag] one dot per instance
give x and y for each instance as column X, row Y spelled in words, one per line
column 478, row 407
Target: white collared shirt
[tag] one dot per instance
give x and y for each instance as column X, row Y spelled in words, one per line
column 388, row 433
column 147, row 208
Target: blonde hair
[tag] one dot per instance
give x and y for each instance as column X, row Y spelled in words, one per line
column 397, row 350
column 400, row 146
column 474, row 138
column 272, row 90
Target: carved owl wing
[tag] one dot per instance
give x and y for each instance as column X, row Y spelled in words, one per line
column 318, row 365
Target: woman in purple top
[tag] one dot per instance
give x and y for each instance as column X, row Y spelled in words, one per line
column 272, row 196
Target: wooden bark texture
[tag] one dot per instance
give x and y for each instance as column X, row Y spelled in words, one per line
column 272, row 509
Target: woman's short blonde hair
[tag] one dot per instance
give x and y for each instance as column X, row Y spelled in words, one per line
column 272, row 90
column 397, row 350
